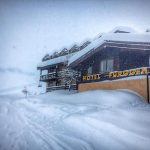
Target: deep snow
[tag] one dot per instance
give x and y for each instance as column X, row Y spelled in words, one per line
column 62, row 120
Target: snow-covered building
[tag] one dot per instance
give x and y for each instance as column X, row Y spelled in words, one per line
column 120, row 43
column 118, row 54
column 54, row 68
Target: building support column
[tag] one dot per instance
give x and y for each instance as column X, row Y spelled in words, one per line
column 147, row 76
column 56, row 75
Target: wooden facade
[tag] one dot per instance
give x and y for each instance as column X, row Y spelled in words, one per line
column 96, row 62
column 54, row 68
column 55, row 77
column 124, row 56
column 126, row 59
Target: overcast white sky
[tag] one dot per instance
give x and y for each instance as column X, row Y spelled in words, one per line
column 31, row 28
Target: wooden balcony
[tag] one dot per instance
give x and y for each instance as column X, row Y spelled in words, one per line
column 48, row 76
column 59, row 75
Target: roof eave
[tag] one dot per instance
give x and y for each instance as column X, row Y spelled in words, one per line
column 104, row 45
column 49, row 66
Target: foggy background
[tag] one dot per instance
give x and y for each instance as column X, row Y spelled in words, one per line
column 31, row 28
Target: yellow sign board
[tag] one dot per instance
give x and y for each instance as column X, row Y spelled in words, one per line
column 116, row 74
column 128, row 73
column 91, row 77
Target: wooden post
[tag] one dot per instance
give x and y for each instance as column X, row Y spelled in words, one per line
column 147, row 76
column 40, row 72
column 56, row 75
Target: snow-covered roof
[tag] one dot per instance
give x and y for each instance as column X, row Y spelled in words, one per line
column 123, row 37
column 123, row 29
column 122, row 34
column 61, row 59
column 96, row 43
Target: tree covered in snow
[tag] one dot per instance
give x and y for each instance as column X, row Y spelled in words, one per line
column 69, row 76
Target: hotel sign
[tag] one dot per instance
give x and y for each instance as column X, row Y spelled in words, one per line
column 91, row 77
column 128, row 73
column 116, row 74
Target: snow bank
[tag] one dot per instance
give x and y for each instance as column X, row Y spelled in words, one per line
column 109, row 98
column 61, row 120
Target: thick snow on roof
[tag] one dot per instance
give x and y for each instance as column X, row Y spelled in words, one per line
column 96, row 43
column 53, row 61
column 125, row 37
column 113, row 35
column 123, row 29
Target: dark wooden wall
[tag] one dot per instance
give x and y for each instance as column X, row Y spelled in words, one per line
column 129, row 59
column 95, row 60
column 123, row 59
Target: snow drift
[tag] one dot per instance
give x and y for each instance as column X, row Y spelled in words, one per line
column 62, row 120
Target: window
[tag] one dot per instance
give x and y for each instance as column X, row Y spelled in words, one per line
column 106, row 65
column 103, row 67
column 90, row 70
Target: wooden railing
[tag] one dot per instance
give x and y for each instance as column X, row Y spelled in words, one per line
column 60, row 74
column 48, row 76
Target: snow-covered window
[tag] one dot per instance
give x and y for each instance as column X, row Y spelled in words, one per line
column 90, row 70
column 106, row 65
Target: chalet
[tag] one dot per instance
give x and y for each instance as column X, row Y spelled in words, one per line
column 105, row 63
column 54, row 68
column 118, row 54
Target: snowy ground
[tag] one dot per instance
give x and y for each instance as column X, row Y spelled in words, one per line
column 75, row 121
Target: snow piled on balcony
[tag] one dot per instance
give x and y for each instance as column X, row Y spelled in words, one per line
column 62, row 120
column 132, row 36
column 61, row 59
